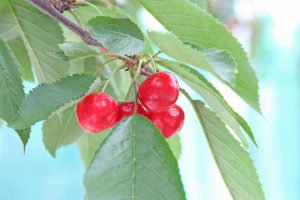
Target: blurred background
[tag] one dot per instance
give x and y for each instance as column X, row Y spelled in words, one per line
column 270, row 32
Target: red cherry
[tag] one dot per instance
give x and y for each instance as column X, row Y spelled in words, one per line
column 96, row 112
column 169, row 121
column 159, row 91
column 125, row 109
column 141, row 110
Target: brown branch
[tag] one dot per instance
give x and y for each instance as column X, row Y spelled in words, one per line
column 46, row 7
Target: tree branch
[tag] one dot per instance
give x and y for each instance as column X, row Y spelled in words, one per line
column 46, row 7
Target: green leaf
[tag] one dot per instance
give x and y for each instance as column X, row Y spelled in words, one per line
column 46, row 98
column 194, row 26
column 212, row 97
column 85, row 13
column 88, row 144
column 117, row 35
column 78, row 51
column 233, row 161
column 21, row 56
column 173, row 47
column 24, row 135
column 41, row 36
column 82, row 58
column 175, row 145
column 8, row 28
column 11, row 90
column 61, row 129
column 134, row 162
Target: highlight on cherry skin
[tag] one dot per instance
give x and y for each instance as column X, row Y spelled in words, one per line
column 96, row 112
column 159, row 91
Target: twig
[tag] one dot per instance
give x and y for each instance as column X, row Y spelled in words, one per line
column 46, row 7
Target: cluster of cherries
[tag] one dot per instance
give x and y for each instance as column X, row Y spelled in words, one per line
column 157, row 96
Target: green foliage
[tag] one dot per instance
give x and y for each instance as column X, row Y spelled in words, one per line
column 117, row 35
column 88, row 144
column 233, row 161
column 175, row 145
column 41, row 102
column 134, row 162
column 26, row 21
column 78, row 51
column 11, row 85
column 61, row 129
column 194, row 26
column 173, row 47
column 21, row 57
column 11, row 90
column 213, row 98
column 82, row 57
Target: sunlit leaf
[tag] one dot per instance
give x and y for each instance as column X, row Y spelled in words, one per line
column 46, row 98
column 60, row 130
column 195, row 26
column 11, row 90
column 41, row 36
column 134, row 162
column 234, row 163
column 117, row 35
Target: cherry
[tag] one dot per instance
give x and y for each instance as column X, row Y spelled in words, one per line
column 159, row 91
column 125, row 109
column 96, row 112
column 141, row 110
column 169, row 121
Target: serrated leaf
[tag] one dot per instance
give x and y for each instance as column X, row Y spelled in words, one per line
column 21, row 56
column 212, row 97
column 134, row 162
column 41, row 36
column 88, row 144
column 196, row 27
column 46, row 98
column 175, row 145
column 11, row 90
column 61, row 129
column 234, row 163
column 173, row 47
column 117, row 35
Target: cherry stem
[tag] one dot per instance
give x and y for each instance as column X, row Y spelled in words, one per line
column 134, row 78
column 122, row 57
column 105, row 63
column 136, row 102
column 152, row 57
column 111, row 76
column 92, row 5
column 76, row 18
